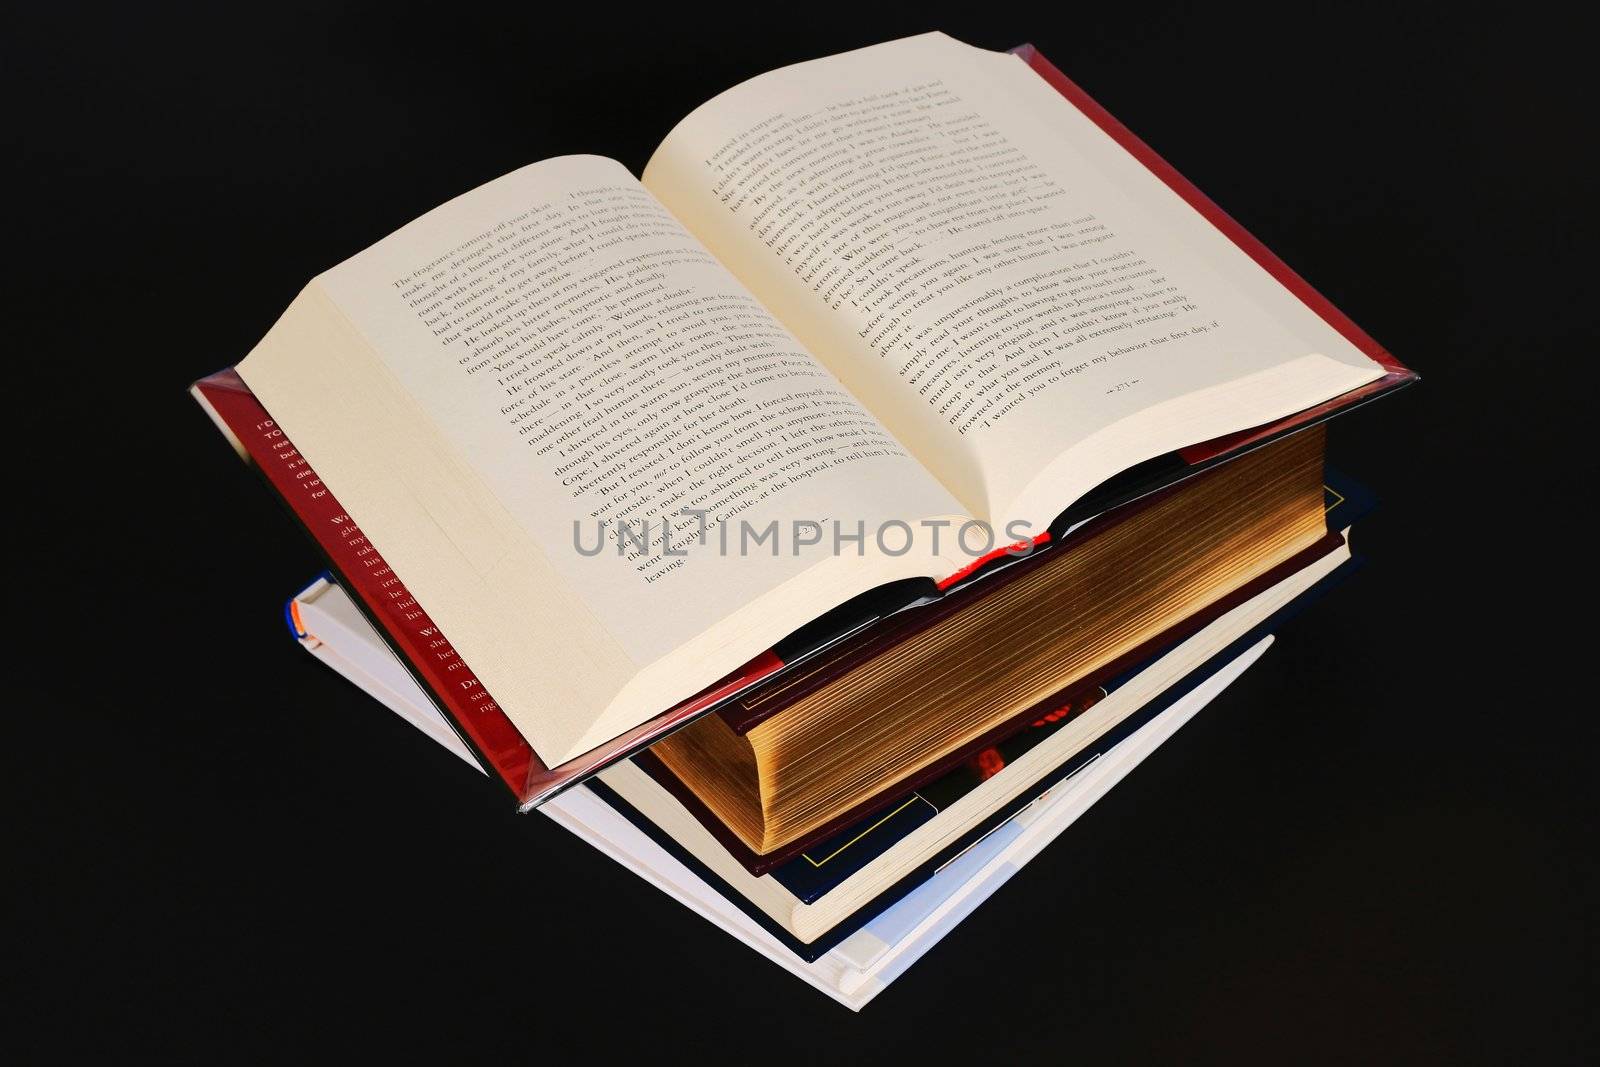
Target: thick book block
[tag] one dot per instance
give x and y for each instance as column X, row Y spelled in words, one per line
column 320, row 336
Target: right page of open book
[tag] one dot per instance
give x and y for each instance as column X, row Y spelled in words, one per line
column 1017, row 298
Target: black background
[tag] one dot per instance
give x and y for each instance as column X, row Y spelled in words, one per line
column 1377, row 846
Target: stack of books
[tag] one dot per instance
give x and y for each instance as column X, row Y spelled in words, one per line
column 820, row 523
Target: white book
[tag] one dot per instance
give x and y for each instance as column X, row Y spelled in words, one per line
column 866, row 962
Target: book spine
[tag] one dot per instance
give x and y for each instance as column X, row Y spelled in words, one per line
column 356, row 563
column 361, row 569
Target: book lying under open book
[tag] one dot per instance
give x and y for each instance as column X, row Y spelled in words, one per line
column 851, row 914
column 883, row 355
column 868, row 955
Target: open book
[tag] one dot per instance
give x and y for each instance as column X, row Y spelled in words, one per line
column 862, row 320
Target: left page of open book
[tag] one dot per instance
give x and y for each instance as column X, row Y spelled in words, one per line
column 530, row 398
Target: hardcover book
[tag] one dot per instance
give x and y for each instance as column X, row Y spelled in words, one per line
column 865, row 955
column 885, row 360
